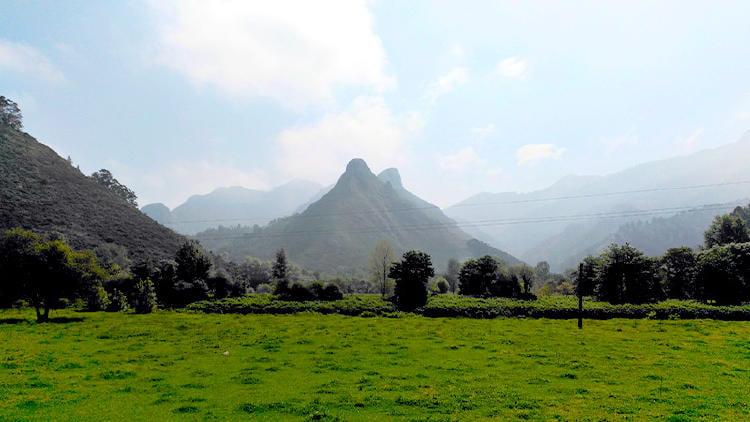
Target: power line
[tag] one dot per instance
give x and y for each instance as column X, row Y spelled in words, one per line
column 476, row 204
column 480, row 223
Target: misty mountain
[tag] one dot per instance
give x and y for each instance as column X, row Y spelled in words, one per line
column 42, row 192
column 579, row 212
column 337, row 232
column 233, row 206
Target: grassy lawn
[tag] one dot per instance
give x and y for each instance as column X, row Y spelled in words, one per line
column 172, row 365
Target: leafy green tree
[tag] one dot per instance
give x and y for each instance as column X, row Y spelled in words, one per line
column 280, row 273
column 44, row 272
column 193, row 263
column 104, row 177
column 541, row 271
column 724, row 273
column 626, row 276
column 586, row 276
column 118, row 302
column 451, row 274
column 477, row 275
column 411, row 275
column 727, row 228
column 379, row 263
column 525, row 276
column 144, row 301
column 678, row 271
column 10, row 114
column 506, row 284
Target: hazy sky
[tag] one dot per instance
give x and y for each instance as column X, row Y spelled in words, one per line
column 177, row 98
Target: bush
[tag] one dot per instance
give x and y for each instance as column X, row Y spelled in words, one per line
column 118, row 302
column 144, row 301
column 97, row 298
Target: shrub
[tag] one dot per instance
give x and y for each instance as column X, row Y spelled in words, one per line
column 118, row 302
column 97, row 298
column 263, row 288
column 144, row 301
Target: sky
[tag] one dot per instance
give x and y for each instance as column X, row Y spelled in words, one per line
column 180, row 97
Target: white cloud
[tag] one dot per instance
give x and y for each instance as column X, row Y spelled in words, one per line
column 483, row 132
column 447, row 83
column 173, row 183
column 463, row 159
column 616, row 142
column 531, row 153
column 295, row 52
column 366, row 129
column 513, row 68
column 24, row 59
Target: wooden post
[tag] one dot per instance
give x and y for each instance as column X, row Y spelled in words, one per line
column 579, row 290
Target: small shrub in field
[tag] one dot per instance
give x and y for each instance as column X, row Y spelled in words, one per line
column 118, row 302
column 442, row 286
column 331, row 293
column 97, row 298
column 144, row 301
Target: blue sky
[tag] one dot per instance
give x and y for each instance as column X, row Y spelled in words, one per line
column 178, row 98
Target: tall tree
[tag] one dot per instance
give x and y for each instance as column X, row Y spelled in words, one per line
column 451, row 274
column 193, row 263
column 626, row 276
column 411, row 275
column 10, row 114
column 678, row 270
column 104, row 177
column 477, row 275
column 380, row 262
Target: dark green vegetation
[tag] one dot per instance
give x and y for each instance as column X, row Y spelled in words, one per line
column 336, row 233
column 42, row 192
column 554, row 306
column 168, row 366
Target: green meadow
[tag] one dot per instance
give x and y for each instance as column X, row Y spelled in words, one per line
column 307, row 366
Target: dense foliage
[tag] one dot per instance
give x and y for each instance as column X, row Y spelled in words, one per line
column 104, row 177
column 411, row 275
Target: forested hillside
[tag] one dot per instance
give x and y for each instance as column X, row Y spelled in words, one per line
column 42, row 192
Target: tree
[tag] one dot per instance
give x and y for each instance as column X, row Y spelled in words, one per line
column 43, row 272
column 678, row 271
column 626, row 276
column 193, row 263
column 411, row 275
column 477, row 275
column 727, row 228
column 10, row 114
column 526, row 277
column 144, row 301
column 280, row 273
column 587, row 275
column 451, row 274
column 541, row 271
column 379, row 263
column 104, row 177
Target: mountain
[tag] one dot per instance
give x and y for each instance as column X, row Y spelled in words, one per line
column 337, row 232
column 42, row 192
column 579, row 212
column 233, row 206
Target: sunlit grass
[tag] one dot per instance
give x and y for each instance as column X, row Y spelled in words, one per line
column 309, row 366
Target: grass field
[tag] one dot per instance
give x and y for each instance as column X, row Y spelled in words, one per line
column 171, row 365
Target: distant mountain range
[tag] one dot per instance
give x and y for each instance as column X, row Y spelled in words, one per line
column 42, row 192
column 581, row 214
column 233, row 206
column 337, row 232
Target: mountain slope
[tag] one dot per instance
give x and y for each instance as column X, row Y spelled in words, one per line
column 42, row 192
column 233, row 206
column 337, row 232
column 714, row 169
